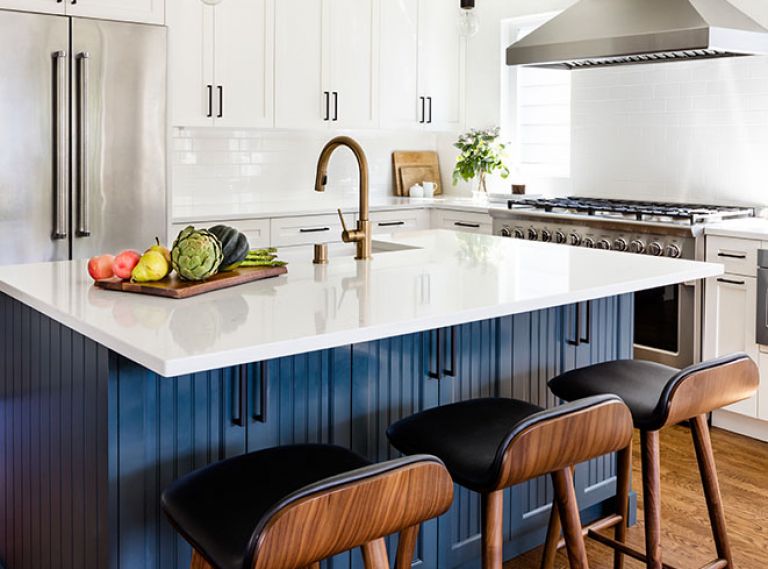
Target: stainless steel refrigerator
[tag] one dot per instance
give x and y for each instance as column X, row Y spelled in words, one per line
column 82, row 137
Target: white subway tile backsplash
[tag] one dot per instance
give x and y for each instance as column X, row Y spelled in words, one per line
column 679, row 131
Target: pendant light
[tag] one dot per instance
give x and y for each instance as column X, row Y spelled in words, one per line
column 469, row 23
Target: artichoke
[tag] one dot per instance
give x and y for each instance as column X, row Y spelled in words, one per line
column 196, row 254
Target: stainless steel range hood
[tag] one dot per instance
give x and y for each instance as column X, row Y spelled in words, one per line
column 598, row 33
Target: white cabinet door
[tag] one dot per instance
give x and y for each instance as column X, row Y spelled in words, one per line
column 244, row 63
column 190, row 53
column 300, row 64
column 441, row 64
column 354, row 62
column 468, row 222
column 44, row 6
column 147, row 11
column 730, row 306
column 400, row 104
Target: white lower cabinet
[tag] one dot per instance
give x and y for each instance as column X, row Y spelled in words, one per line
column 256, row 230
column 391, row 222
column 469, row 222
column 729, row 327
column 305, row 230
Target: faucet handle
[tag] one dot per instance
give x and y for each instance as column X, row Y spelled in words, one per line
column 343, row 223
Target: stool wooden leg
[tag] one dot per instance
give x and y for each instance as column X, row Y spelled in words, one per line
column 553, row 538
column 375, row 554
column 565, row 495
column 623, row 488
column 651, row 458
column 406, row 546
column 198, row 562
column 493, row 520
column 703, row 444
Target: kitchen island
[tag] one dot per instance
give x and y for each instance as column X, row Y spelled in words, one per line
column 108, row 397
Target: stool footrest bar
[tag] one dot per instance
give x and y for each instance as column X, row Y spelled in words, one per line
column 623, row 548
column 601, row 524
column 716, row 564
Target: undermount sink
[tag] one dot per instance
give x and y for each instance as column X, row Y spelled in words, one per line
column 336, row 250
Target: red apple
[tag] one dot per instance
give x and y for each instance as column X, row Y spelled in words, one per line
column 100, row 267
column 124, row 264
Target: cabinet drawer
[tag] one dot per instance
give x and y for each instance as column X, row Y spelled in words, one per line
column 462, row 221
column 306, row 230
column 384, row 222
column 256, row 230
column 738, row 255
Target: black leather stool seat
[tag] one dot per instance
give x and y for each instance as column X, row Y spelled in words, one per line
column 647, row 388
column 218, row 509
column 471, row 437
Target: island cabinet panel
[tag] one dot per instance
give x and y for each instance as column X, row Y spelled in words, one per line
column 90, row 439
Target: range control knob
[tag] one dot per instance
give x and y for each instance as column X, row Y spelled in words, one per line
column 673, row 251
column 506, row 231
column 575, row 239
column 656, row 249
column 519, row 233
column 619, row 244
column 589, row 243
column 603, row 244
column 546, row 235
column 637, row 246
column 559, row 237
column 533, row 235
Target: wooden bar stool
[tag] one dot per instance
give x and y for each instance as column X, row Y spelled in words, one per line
column 660, row 396
column 291, row 507
column 491, row 444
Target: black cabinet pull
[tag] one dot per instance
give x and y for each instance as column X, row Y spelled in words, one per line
column 430, row 110
column 451, row 371
column 239, row 403
column 577, row 328
column 438, row 356
column 465, row 224
column 221, row 101
column 731, row 256
column 390, row 223
column 335, row 106
column 210, row 101
column 423, row 110
column 314, row 229
column 261, row 417
column 730, row 281
column 327, row 96
column 579, row 339
column 588, row 338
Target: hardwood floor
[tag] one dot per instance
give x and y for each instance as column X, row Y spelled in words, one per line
column 686, row 539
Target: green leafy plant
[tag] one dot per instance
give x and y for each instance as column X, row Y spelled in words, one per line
column 481, row 154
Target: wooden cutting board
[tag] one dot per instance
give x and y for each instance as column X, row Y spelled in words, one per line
column 414, row 159
column 174, row 287
column 411, row 175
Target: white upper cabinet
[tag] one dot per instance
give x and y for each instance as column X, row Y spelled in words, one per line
column 441, row 64
column 190, row 52
column 302, row 100
column 148, row 11
column 221, row 63
column 244, row 63
column 326, row 63
column 422, row 66
column 44, row 6
column 400, row 99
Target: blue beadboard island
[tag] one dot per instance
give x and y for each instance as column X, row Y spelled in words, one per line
column 108, row 397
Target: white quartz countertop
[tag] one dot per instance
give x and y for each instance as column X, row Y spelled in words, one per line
column 315, row 204
column 749, row 228
column 444, row 278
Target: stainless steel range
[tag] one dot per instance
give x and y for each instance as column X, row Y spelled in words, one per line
column 667, row 320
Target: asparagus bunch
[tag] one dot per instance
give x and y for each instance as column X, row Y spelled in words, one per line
column 262, row 258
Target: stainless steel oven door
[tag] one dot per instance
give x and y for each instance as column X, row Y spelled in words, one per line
column 665, row 324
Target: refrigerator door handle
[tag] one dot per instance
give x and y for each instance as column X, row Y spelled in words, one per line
column 84, row 186
column 62, row 146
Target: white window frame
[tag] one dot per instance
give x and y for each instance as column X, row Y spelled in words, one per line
column 510, row 120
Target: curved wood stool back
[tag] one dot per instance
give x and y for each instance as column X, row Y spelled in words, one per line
column 688, row 396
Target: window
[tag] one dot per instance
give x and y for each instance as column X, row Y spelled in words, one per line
column 536, row 109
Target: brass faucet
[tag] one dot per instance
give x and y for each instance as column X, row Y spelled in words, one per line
column 362, row 235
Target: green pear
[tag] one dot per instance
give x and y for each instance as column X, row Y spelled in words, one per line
column 152, row 267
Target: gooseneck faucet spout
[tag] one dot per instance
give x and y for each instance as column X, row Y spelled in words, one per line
column 362, row 235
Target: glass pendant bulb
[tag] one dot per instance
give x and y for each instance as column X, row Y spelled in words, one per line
column 469, row 23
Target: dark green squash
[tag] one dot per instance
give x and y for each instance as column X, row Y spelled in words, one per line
column 234, row 246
